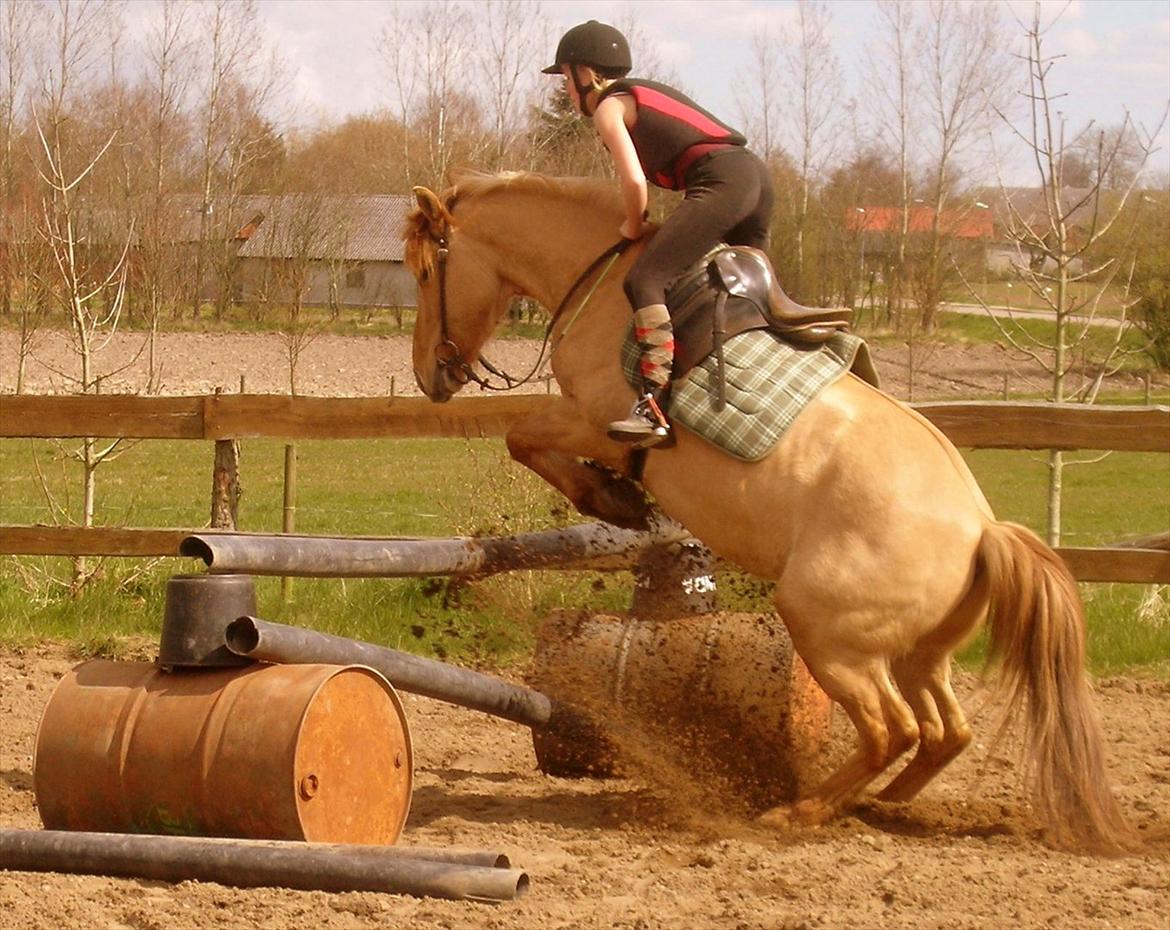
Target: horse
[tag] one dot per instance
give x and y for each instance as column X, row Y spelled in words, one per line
column 884, row 551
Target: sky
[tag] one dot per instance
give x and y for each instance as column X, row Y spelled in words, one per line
column 1118, row 50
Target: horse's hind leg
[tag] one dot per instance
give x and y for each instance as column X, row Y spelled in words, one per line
column 924, row 678
column 885, row 727
column 944, row 732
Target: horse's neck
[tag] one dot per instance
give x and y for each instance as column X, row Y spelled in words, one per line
column 545, row 245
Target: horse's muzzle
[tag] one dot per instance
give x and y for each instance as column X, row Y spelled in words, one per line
column 438, row 387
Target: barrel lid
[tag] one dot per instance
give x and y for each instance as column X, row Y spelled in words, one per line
column 354, row 763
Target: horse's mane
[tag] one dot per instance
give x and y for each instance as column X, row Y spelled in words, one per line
column 470, row 184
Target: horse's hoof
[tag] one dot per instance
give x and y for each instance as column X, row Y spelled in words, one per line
column 806, row 813
column 778, row 818
column 810, row 813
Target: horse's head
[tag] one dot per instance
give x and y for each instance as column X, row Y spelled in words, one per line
column 461, row 294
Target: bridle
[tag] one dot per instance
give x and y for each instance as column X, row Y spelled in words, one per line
column 448, row 355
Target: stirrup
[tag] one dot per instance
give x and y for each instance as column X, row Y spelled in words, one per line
column 645, row 426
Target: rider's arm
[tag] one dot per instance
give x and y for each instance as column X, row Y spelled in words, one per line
column 609, row 118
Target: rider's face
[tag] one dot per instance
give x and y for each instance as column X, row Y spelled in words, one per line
column 586, row 76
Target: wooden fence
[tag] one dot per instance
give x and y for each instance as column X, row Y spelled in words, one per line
column 226, row 417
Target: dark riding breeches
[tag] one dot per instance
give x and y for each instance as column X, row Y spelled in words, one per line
column 728, row 199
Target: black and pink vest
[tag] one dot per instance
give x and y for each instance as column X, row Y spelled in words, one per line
column 672, row 131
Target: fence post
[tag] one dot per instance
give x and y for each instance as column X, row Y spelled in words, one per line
column 289, row 522
column 225, row 485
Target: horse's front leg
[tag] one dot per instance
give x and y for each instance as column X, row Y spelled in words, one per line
column 553, row 444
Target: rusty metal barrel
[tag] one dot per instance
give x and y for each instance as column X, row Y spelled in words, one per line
column 298, row 752
column 721, row 696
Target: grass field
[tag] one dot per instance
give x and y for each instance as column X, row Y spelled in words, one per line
column 451, row 487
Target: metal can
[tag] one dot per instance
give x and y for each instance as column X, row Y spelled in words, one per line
column 300, row 752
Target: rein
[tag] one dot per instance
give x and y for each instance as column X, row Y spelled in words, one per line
column 449, row 356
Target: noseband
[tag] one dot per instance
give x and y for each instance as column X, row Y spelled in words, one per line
column 448, row 355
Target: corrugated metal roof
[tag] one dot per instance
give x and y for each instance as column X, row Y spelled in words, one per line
column 350, row 228
column 339, row 227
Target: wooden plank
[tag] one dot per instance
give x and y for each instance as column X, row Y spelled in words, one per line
column 1138, row 566
column 235, row 416
column 249, row 416
column 109, row 415
column 94, row 540
column 1051, row 426
column 1151, row 541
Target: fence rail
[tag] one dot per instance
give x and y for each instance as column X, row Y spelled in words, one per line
column 220, row 417
column 278, row 416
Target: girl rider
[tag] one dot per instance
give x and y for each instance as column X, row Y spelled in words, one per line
column 654, row 132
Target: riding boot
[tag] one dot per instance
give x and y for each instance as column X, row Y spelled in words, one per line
column 646, row 424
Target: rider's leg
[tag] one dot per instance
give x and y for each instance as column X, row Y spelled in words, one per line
column 646, row 423
column 723, row 193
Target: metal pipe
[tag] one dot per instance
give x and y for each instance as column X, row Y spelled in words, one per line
column 256, row 863
column 583, row 545
column 482, row 857
column 275, row 642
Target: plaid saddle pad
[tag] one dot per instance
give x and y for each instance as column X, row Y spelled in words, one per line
column 768, row 382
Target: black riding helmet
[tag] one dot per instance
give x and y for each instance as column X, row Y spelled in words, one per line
column 596, row 44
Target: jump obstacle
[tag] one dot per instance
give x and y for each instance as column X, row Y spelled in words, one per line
column 258, row 736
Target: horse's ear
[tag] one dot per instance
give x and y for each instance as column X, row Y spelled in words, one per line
column 432, row 209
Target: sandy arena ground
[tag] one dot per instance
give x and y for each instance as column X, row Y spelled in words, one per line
column 624, row 853
column 621, row 854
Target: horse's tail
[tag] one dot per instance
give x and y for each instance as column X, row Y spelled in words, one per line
column 1037, row 628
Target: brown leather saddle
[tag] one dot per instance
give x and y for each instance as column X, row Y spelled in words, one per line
column 731, row 290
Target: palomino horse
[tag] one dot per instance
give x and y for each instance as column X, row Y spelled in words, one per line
column 884, row 552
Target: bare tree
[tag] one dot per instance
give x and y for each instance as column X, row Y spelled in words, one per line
column 303, row 238
column 169, row 71
column 17, row 23
column 962, row 48
column 890, row 69
column 18, row 253
column 90, row 292
column 398, row 60
column 1054, row 238
column 760, row 86
column 513, row 40
column 239, row 81
column 815, row 77
column 428, row 51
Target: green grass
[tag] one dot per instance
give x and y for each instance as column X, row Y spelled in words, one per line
column 1018, row 296
column 451, row 487
column 1124, row 495
column 362, row 487
column 980, row 329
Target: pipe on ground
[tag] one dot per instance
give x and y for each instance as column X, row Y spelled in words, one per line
column 288, row 645
column 584, row 545
column 256, row 863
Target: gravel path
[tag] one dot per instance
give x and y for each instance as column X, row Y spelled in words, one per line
column 359, row 366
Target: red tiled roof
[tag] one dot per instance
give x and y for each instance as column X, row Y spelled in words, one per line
column 970, row 223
